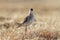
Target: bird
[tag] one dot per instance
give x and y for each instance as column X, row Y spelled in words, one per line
column 29, row 19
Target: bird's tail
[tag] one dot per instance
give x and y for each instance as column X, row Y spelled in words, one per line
column 19, row 25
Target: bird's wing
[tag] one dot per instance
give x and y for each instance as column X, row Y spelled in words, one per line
column 26, row 19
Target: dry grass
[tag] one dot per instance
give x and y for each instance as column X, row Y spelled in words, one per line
column 45, row 27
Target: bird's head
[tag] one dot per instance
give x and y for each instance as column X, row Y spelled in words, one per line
column 31, row 9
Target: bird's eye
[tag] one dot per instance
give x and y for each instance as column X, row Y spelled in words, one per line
column 31, row 9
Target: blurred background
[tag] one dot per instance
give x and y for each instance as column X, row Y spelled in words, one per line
column 46, row 13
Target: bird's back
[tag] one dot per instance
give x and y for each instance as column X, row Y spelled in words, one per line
column 29, row 19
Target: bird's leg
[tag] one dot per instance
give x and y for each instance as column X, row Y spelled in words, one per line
column 26, row 30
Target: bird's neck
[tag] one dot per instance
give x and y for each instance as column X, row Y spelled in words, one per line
column 31, row 12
